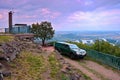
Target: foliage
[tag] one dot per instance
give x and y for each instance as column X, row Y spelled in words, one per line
column 101, row 46
column 6, row 39
column 106, row 47
column 44, row 31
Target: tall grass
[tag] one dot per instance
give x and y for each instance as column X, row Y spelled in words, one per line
column 27, row 66
column 6, row 38
column 54, row 65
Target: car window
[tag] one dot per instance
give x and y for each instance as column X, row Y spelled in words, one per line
column 72, row 46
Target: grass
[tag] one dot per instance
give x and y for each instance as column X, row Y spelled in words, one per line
column 6, row 38
column 55, row 70
column 54, row 66
column 27, row 67
column 64, row 77
column 33, row 66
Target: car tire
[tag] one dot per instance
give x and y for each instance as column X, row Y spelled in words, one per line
column 72, row 56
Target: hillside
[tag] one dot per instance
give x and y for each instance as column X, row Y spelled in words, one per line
column 44, row 63
column 41, row 64
column 29, row 61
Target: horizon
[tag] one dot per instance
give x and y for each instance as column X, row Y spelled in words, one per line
column 91, row 31
column 74, row 15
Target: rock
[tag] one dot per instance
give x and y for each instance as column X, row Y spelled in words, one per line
column 60, row 57
column 1, row 76
column 68, row 68
column 75, row 77
column 39, row 46
column 64, row 71
column 6, row 73
column 1, row 66
column 12, row 49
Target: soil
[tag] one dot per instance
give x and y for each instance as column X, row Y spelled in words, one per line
column 95, row 71
column 91, row 69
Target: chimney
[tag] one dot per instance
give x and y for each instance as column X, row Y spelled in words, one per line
column 10, row 21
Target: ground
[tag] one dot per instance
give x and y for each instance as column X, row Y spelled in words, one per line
column 92, row 69
column 40, row 63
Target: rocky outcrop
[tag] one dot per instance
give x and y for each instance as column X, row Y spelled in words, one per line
column 8, row 52
column 67, row 69
column 12, row 49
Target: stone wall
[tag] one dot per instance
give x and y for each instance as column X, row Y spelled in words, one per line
column 8, row 52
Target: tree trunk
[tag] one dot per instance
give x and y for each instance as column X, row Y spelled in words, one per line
column 43, row 42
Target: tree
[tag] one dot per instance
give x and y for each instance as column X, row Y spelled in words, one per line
column 44, row 31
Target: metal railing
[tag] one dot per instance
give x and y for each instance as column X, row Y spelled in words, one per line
column 105, row 58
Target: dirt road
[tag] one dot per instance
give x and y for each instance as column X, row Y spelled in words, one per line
column 92, row 69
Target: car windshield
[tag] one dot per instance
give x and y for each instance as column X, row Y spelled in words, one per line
column 72, row 46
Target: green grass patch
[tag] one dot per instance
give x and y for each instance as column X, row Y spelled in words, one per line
column 54, row 66
column 64, row 77
column 27, row 66
column 6, row 39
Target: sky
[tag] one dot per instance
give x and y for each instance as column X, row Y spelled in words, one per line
column 64, row 15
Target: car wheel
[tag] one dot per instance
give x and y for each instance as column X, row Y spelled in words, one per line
column 72, row 56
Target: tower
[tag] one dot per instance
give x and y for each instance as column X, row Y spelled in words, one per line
column 10, row 21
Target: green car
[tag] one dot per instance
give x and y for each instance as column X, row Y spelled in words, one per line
column 71, row 50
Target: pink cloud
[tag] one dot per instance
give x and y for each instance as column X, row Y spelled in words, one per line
column 45, row 11
column 110, row 12
column 26, row 16
column 55, row 14
column 1, row 16
column 96, row 17
column 49, row 13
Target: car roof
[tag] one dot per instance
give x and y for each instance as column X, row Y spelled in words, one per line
column 66, row 43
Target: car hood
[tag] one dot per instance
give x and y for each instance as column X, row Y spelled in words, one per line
column 80, row 51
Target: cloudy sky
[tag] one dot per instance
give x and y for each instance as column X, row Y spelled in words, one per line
column 72, row 15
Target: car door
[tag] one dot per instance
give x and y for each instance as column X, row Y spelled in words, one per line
column 66, row 50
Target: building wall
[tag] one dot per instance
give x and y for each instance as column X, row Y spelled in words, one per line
column 19, row 29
